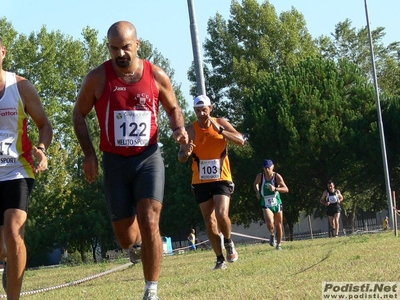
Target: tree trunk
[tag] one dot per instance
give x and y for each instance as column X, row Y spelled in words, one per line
column 94, row 246
column 289, row 231
column 350, row 217
column 83, row 256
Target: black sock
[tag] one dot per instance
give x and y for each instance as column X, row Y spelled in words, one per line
column 227, row 241
column 220, row 257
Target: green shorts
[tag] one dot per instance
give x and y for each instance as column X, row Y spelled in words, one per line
column 275, row 209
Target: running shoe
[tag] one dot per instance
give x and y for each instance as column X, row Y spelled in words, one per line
column 278, row 247
column 231, row 253
column 4, row 278
column 221, row 264
column 272, row 240
column 150, row 295
column 135, row 254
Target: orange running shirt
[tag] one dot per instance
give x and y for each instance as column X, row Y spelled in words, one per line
column 210, row 161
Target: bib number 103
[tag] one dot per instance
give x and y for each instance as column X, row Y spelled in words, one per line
column 210, row 169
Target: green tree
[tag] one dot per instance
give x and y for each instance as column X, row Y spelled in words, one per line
column 252, row 43
column 391, row 119
column 318, row 122
column 350, row 43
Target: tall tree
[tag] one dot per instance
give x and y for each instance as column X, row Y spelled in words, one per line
column 347, row 42
column 252, row 43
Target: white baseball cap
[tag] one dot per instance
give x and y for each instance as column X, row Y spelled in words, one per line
column 201, row 100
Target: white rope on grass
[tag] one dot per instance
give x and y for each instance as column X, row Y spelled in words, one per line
column 187, row 247
column 249, row 236
column 233, row 233
column 73, row 282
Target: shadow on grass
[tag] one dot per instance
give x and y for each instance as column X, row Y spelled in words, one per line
column 312, row 266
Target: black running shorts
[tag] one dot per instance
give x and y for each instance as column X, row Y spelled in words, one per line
column 15, row 194
column 205, row 191
column 332, row 210
column 128, row 179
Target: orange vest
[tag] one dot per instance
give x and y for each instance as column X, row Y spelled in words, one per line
column 210, row 161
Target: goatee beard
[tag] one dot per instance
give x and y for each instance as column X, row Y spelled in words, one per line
column 122, row 63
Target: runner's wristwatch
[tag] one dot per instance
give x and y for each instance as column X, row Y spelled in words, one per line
column 43, row 149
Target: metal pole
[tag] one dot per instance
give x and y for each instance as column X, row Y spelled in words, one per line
column 395, row 213
column 381, row 132
column 198, row 61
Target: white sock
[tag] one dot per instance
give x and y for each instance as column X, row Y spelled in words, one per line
column 151, row 285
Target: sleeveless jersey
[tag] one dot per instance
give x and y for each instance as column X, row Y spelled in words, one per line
column 268, row 198
column 127, row 113
column 332, row 198
column 16, row 160
column 210, row 156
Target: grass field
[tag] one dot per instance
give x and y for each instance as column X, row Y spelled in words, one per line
column 296, row 272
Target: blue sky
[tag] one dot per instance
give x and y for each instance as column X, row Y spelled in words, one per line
column 165, row 23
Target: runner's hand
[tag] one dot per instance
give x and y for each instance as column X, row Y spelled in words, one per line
column 181, row 136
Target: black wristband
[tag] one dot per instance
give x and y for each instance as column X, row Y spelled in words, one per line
column 43, row 149
column 177, row 128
